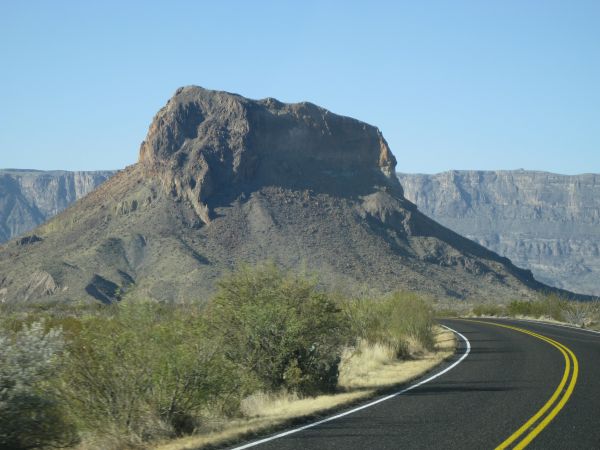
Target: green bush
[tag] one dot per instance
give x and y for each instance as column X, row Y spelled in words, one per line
column 488, row 310
column 30, row 414
column 144, row 372
column 279, row 329
column 549, row 306
column 392, row 320
column 523, row 308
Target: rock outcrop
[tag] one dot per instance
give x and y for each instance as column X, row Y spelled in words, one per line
column 30, row 197
column 223, row 180
column 545, row 222
column 203, row 144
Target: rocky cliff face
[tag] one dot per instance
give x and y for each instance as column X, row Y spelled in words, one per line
column 203, row 144
column 30, row 197
column 542, row 221
column 223, row 180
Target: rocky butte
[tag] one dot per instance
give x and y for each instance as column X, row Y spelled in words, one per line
column 223, row 179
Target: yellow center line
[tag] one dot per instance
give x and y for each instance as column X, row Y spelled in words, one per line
column 568, row 356
column 544, row 423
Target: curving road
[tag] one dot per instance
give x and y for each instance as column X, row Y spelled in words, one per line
column 522, row 384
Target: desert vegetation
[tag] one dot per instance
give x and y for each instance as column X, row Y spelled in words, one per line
column 130, row 374
column 548, row 307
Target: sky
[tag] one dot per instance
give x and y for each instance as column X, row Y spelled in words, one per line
column 451, row 84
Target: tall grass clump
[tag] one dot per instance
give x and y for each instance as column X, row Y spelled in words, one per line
column 396, row 321
column 279, row 329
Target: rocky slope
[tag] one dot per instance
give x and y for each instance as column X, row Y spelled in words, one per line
column 221, row 180
column 545, row 222
column 30, row 197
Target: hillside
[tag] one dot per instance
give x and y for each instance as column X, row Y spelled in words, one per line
column 222, row 180
column 545, row 222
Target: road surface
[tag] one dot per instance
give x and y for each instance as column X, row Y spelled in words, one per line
column 522, row 384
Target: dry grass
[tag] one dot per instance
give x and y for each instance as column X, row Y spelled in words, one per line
column 375, row 367
column 364, row 372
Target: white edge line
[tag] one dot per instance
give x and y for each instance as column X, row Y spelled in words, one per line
column 368, row 405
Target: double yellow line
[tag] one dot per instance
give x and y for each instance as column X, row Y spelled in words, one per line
column 540, row 420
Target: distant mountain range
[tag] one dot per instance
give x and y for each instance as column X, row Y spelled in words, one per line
column 544, row 222
column 30, row 197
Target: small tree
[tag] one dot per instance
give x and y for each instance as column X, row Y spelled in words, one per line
column 279, row 328
column 30, row 417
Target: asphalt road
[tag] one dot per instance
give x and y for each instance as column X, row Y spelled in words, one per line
column 505, row 380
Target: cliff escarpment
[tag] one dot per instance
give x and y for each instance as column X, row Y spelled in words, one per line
column 30, row 197
column 545, row 222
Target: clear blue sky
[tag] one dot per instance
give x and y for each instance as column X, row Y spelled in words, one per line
column 451, row 84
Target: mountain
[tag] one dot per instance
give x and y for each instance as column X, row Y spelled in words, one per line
column 30, row 197
column 222, row 179
column 546, row 222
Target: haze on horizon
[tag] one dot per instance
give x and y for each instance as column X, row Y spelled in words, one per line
column 452, row 85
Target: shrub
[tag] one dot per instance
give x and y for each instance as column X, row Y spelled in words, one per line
column 578, row 313
column 488, row 310
column 553, row 306
column 30, row 415
column 147, row 371
column 280, row 329
column 550, row 306
column 522, row 308
column 392, row 321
